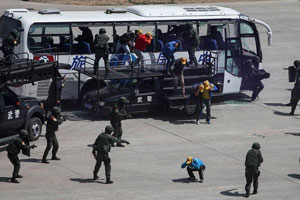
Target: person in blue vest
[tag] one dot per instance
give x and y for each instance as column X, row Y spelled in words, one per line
column 168, row 52
column 194, row 164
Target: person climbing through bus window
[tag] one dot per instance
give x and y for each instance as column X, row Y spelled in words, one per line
column 168, row 52
column 140, row 45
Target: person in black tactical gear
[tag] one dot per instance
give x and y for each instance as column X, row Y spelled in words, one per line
column 54, row 92
column 253, row 160
column 101, row 148
column 253, row 77
column 8, row 44
column 101, row 49
column 295, row 94
column 190, row 39
column 54, row 120
column 117, row 114
column 14, row 148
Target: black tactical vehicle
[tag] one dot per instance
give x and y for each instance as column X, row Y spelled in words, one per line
column 17, row 112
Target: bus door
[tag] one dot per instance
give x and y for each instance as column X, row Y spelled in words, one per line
column 251, row 49
column 233, row 61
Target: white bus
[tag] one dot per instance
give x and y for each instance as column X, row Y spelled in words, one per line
column 41, row 31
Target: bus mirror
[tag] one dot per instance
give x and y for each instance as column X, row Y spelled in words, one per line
column 269, row 38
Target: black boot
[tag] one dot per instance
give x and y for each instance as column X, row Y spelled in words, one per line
column 120, row 145
column 108, row 181
column 14, row 180
column 96, row 177
column 19, row 176
column 247, row 194
column 254, row 191
column 55, row 158
column 44, row 160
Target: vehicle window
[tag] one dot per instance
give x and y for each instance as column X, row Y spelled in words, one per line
column 249, row 44
column 123, row 84
column 43, row 38
column 246, row 29
column 7, row 24
column 9, row 98
column 146, row 86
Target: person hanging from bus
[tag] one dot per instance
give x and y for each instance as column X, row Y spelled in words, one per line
column 101, row 49
column 140, row 45
column 168, row 52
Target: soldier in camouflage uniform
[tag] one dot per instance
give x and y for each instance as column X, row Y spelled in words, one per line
column 14, row 148
column 191, row 41
column 117, row 114
column 101, row 49
column 8, row 44
column 54, row 120
column 101, row 148
column 252, row 162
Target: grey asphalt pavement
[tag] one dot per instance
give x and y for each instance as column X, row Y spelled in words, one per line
column 149, row 168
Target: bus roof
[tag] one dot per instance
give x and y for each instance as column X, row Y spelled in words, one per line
column 131, row 13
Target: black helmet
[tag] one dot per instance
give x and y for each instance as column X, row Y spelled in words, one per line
column 123, row 100
column 102, row 30
column 109, row 129
column 14, row 32
column 23, row 133
column 297, row 63
column 55, row 110
column 189, row 25
column 255, row 145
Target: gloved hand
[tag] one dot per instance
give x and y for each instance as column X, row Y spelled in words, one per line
column 127, row 142
column 33, row 146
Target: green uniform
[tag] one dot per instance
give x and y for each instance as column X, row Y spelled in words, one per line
column 101, row 148
column 117, row 114
column 101, row 50
column 13, row 150
column 253, row 160
column 191, row 41
column 52, row 126
column 295, row 92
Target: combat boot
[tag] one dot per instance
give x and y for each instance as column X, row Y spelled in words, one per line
column 55, row 158
column 45, row 161
column 247, row 194
column 108, row 181
column 14, row 180
column 96, row 177
column 254, row 191
column 19, row 176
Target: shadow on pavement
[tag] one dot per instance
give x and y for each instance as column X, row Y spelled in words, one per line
column 184, row 180
column 297, row 176
column 3, row 149
column 31, row 160
column 232, row 193
column 88, row 180
column 5, row 179
column 275, row 104
column 281, row 113
column 294, row 134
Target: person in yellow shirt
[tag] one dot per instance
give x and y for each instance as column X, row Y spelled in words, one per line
column 201, row 94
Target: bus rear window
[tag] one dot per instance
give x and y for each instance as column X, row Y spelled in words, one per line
column 7, row 24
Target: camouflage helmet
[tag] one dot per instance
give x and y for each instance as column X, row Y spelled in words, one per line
column 14, row 32
column 123, row 100
column 55, row 110
column 23, row 133
column 297, row 63
column 255, row 145
column 109, row 129
column 102, row 30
